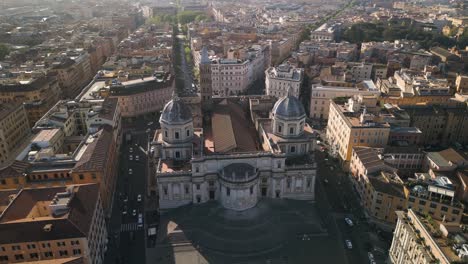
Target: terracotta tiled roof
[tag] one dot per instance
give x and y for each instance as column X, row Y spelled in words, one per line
column 245, row 137
column 76, row 223
column 96, row 154
column 16, row 169
column 109, row 107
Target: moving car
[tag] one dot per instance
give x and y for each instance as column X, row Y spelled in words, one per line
column 349, row 245
column 139, row 198
column 348, row 221
column 134, row 212
column 140, row 220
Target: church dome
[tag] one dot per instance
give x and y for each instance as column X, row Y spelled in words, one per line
column 289, row 107
column 176, row 112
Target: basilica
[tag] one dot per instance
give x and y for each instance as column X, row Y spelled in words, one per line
column 247, row 148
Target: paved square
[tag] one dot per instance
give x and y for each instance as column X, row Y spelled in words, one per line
column 275, row 231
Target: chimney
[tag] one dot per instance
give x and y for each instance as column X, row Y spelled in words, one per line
column 47, row 228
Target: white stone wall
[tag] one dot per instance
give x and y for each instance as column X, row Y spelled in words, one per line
column 285, row 128
column 239, row 199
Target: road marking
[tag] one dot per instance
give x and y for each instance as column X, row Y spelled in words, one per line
column 128, row 227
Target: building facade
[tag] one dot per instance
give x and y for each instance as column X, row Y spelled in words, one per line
column 278, row 80
column 415, row 240
column 347, row 129
column 51, row 224
column 321, row 94
column 14, row 129
column 234, row 164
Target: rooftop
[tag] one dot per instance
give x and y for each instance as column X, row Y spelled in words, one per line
column 46, row 135
column 7, row 108
column 231, row 130
column 25, row 219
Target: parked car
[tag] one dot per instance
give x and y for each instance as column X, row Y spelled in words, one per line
column 139, row 198
column 130, row 157
column 134, row 212
column 130, row 150
column 137, row 158
column 130, row 171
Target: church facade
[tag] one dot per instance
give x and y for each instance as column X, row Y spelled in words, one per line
column 248, row 148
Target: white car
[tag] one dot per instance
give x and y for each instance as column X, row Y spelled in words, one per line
column 139, row 198
column 140, row 220
column 371, row 257
column 137, row 158
column 349, row 245
column 348, row 221
column 130, row 157
column 130, row 171
column 130, row 150
column 134, row 212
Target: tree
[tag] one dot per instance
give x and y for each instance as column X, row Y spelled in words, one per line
column 4, row 51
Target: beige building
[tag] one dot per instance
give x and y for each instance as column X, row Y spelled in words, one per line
column 143, row 96
column 348, row 128
column 278, row 80
column 45, row 224
column 384, row 194
column 322, row 93
column 14, row 129
column 421, row 240
column 382, row 191
column 73, row 74
column 461, row 84
column 38, row 95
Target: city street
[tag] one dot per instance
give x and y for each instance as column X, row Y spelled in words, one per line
column 127, row 237
column 344, row 204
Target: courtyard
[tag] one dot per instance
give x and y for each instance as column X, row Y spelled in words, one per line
column 275, row 231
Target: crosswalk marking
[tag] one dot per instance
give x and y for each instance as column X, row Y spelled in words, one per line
column 129, row 227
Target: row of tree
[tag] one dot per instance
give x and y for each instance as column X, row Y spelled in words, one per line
column 379, row 31
column 184, row 17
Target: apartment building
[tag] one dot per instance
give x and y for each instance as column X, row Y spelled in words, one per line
column 321, row 94
column 283, row 79
column 348, row 128
column 359, row 71
column 143, row 96
column 54, row 225
column 73, row 73
column 384, row 194
column 382, row 191
column 419, row 239
column 419, row 83
column 37, row 94
column 14, row 129
column 61, row 154
column 440, row 125
column 461, row 84
column 229, row 76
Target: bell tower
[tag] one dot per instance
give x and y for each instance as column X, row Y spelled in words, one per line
column 206, row 89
